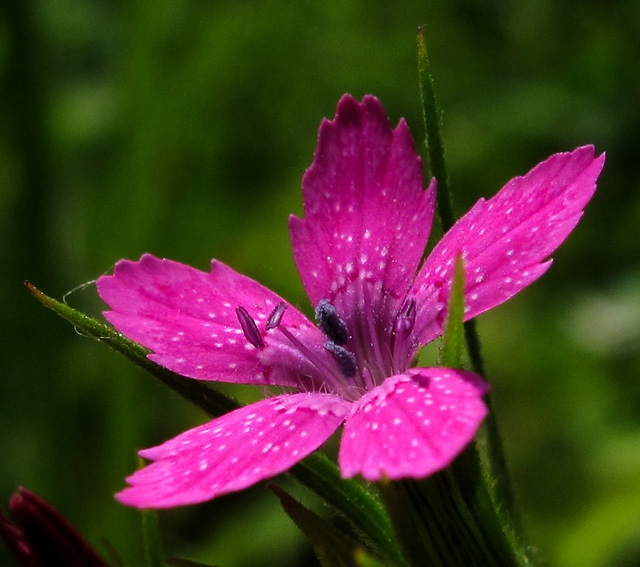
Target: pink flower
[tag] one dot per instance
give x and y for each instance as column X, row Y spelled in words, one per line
column 358, row 250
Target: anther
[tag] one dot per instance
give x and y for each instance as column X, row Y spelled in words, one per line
column 249, row 327
column 345, row 360
column 406, row 318
column 330, row 323
column 276, row 316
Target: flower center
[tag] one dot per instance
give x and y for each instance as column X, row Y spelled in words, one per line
column 352, row 371
column 331, row 325
column 339, row 376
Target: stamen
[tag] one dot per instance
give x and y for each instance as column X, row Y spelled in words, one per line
column 316, row 360
column 249, row 327
column 406, row 318
column 402, row 328
column 345, row 360
column 330, row 323
column 276, row 316
column 330, row 378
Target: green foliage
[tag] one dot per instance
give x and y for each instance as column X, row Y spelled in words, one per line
column 333, row 547
column 152, row 539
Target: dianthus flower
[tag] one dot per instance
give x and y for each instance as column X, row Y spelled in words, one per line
column 358, row 248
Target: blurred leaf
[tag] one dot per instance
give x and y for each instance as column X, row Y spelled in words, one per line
column 363, row 559
column 366, row 513
column 333, row 548
column 153, row 553
column 179, row 562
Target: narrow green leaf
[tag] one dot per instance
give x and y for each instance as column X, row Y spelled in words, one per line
column 366, row 513
column 436, row 167
column 333, row 547
column 476, row 488
column 453, row 338
column 153, row 554
column 437, row 526
column 351, row 499
column 210, row 400
column 431, row 115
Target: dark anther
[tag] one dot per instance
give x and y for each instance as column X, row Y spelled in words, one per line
column 249, row 327
column 276, row 316
column 330, row 323
column 406, row 318
column 345, row 360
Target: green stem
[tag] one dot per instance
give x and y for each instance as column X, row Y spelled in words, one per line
column 441, row 528
column 436, row 166
column 367, row 514
column 492, row 493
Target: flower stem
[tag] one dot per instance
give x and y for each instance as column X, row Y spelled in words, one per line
column 441, row 525
column 431, row 115
column 478, row 481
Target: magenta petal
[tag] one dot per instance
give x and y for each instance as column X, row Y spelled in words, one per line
column 366, row 214
column 188, row 319
column 413, row 425
column 234, row 451
column 505, row 240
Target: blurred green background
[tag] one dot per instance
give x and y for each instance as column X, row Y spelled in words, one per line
column 182, row 128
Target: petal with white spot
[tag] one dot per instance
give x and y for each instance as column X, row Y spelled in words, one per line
column 366, row 213
column 234, row 451
column 506, row 240
column 412, row 425
column 188, row 319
